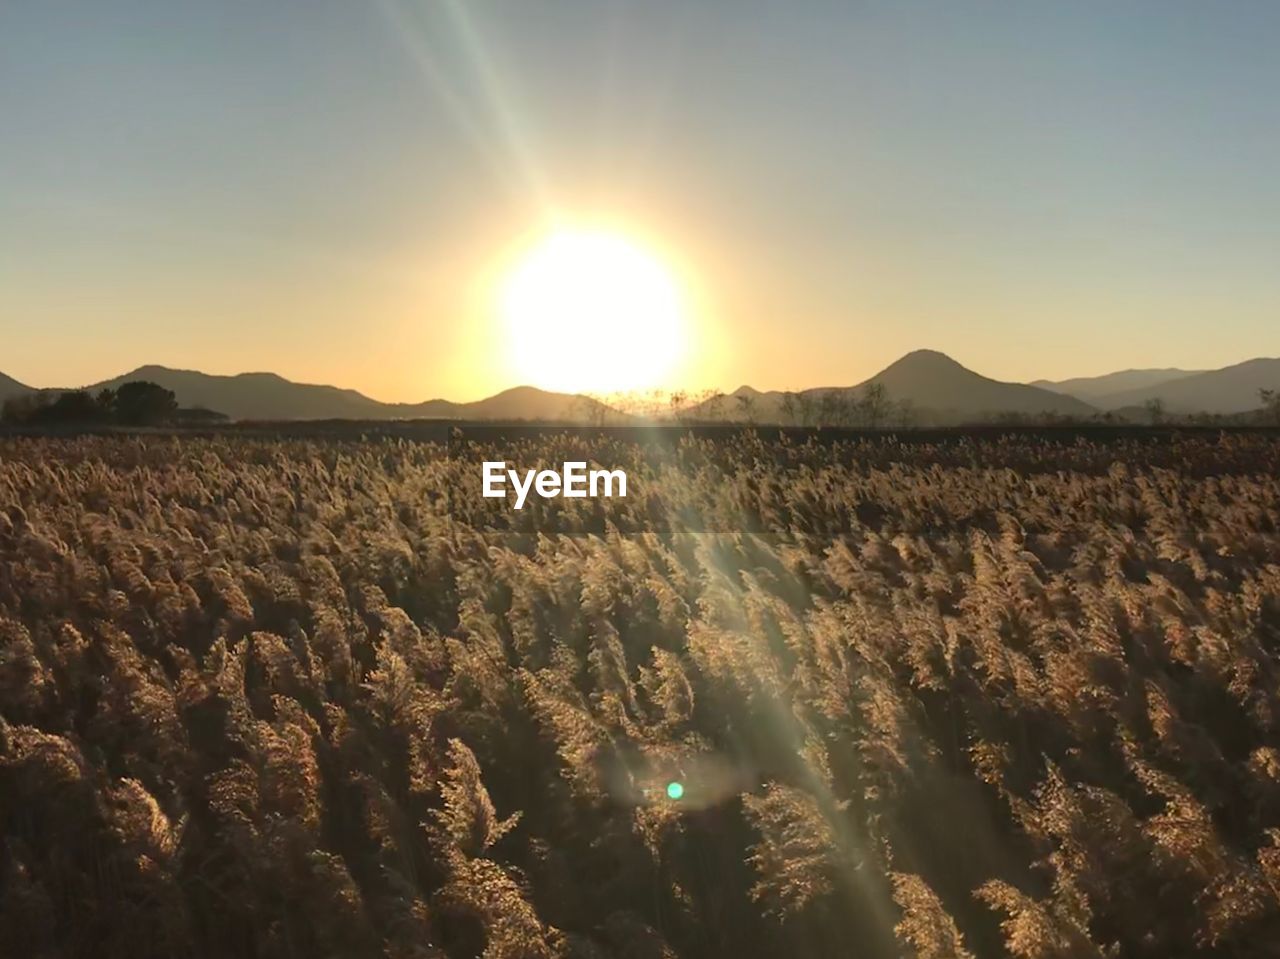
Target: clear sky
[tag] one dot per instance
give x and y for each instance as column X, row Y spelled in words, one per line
column 327, row 188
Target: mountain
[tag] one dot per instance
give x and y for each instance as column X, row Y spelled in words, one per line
column 11, row 387
column 267, row 396
column 1091, row 388
column 934, row 381
column 254, row 395
column 526, row 403
column 939, row 389
column 1232, row 389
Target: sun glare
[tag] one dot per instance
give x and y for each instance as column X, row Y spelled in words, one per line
column 594, row 312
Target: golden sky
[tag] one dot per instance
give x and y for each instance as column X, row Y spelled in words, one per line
column 333, row 191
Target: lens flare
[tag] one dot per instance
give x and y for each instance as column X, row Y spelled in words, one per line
column 675, row 791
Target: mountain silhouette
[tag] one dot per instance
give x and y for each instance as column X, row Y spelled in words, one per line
column 1092, row 388
column 1232, row 389
column 11, row 387
column 934, row 381
column 939, row 389
column 268, row 396
column 523, row 402
column 254, row 395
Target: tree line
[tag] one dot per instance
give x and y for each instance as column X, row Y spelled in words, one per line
column 870, row 407
column 136, row 403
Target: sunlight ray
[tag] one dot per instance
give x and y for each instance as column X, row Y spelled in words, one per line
column 490, row 125
column 500, row 102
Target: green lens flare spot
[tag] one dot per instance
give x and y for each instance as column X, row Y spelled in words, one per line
column 675, row 790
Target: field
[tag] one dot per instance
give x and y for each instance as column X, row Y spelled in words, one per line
column 315, row 697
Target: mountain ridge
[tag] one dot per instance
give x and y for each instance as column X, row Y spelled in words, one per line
column 934, row 380
column 261, row 395
column 1091, row 388
column 10, row 387
column 1227, row 390
column 938, row 389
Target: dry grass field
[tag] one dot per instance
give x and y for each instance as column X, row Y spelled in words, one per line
column 298, row 698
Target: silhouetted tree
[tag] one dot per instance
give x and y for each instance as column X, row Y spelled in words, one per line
column 141, row 403
column 906, row 412
column 829, row 408
column 677, row 400
column 74, row 406
column 591, row 409
column 20, row 409
column 791, row 408
column 712, row 403
column 1270, row 406
column 875, row 404
column 846, row 409
column 806, row 408
column 1155, row 410
column 70, row 406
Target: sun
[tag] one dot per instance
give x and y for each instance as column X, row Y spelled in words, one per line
column 592, row 312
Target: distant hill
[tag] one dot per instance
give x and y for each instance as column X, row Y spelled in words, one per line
column 934, row 381
column 939, row 389
column 253, row 395
column 1232, row 389
column 525, row 403
column 267, row 396
column 1091, row 388
column 11, row 387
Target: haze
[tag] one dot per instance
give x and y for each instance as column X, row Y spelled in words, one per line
column 325, row 189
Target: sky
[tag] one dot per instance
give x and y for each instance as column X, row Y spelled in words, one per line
column 332, row 190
